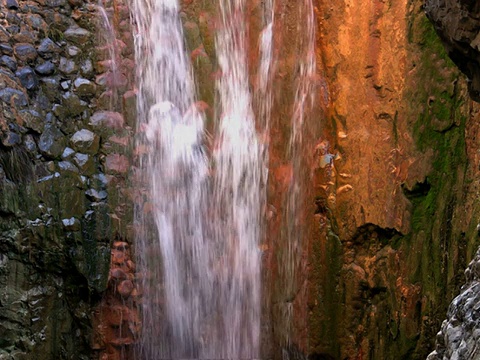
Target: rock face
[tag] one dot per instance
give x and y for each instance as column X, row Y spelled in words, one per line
column 460, row 333
column 456, row 22
column 396, row 207
column 59, row 212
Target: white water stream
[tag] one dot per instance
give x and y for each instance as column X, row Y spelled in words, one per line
column 199, row 224
column 201, row 251
column 175, row 253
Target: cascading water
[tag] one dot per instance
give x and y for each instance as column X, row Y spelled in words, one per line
column 177, row 285
column 109, row 38
column 198, row 235
column 303, row 105
column 238, row 199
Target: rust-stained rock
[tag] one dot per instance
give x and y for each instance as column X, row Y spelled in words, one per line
column 117, row 164
column 116, row 319
column 125, row 288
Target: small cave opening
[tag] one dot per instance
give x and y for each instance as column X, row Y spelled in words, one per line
column 420, row 189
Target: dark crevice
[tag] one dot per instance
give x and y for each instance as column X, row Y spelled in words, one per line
column 16, row 164
column 420, row 189
column 369, row 231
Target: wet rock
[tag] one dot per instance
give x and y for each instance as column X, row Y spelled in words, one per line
column 67, row 166
column 71, row 224
column 49, row 86
column 130, row 106
column 12, row 4
column 67, row 153
column 37, row 22
column 457, row 23
column 77, row 35
column 32, row 120
column 67, row 66
column 85, row 163
column 66, row 84
column 125, row 288
column 13, row 97
column 99, row 181
column 73, row 51
column 13, row 18
column 87, row 67
column 118, row 274
column 85, row 141
column 116, row 164
column 47, row 47
column 95, row 195
column 4, row 36
column 118, row 257
column 6, row 49
column 30, row 143
column 72, row 104
column 8, row 62
column 51, row 142
column 47, row 68
column 25, row 52
column 84, row 87
column 13, row 29
column 75, row 3
column 27, row 77
column 11, row 139
column 109, row 119
column 55, row 3
column 458, row 336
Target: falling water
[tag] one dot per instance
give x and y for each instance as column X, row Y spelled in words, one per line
column 304, row 99
column 198, row 234
column 177, row 286
column 110, row 39
column 238, row 187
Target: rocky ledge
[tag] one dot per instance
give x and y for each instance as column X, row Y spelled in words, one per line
column 460, row 332
column 457, row 22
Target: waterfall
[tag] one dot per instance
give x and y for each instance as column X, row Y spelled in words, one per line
column 238, row 165
column 302, row 107
column 173, row 251
column 198, row 218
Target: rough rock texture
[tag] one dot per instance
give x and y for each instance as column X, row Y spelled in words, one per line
column 396, row 209
column 59, row 211
column 460, row 333
column 456, row 22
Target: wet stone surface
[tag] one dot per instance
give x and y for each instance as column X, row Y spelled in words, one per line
column 55, row 200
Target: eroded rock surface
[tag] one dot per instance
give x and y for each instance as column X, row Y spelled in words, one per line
column 460, row 332
column 456, row 22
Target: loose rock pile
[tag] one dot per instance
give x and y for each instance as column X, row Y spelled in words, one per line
column 460, row 333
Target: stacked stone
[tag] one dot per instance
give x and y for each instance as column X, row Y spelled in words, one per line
column 117, row 323
column 459, row 335
column 116, row 318
column 64, row 144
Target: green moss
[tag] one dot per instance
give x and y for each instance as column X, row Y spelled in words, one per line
column 439, row 127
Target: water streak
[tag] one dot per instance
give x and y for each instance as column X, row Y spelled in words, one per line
column 238, row 161
column 197, row 239
column 177, row 286
column 110, row 39
column 303, row 105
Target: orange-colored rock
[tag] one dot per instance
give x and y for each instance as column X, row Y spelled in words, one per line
column 117, row 274
column 125, row 288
